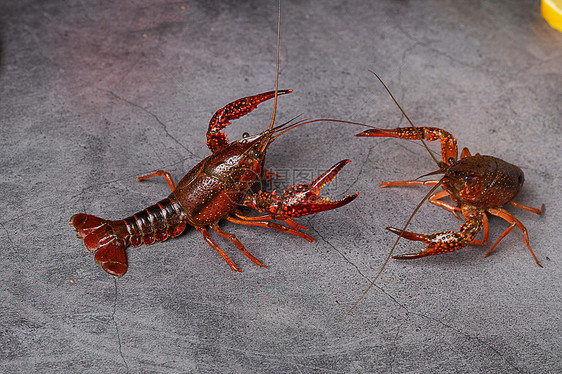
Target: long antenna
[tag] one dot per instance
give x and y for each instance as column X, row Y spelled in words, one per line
column 390, row 253
column 306, row 122
column 276, row 65
column 415, row 210
column 408, row 118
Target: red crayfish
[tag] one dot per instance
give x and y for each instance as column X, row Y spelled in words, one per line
column 214, row 189
column 477, row 184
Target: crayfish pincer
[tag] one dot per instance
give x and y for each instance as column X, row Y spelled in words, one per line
column 477, row 184
column 213, row 190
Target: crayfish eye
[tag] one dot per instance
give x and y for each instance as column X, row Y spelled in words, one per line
column 470, row 177
column 257, row 154
column 451, row 160
column 245, row 135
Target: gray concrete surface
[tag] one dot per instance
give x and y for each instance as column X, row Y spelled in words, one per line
column 94, row 94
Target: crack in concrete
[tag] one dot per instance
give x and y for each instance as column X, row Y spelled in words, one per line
column 337, row 250
column 428, row 45
column 79, row 195
column 117, row 328
column 394, row 348
column 8, row 237
column 361, row 168
column 31, row 212
column 409, row 312
column 157, row 120
column 124, row 177
column 63, row 203
column 403, row 61
column 459, row 331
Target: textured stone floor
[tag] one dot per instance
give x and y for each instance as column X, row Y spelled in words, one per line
column 94, row 94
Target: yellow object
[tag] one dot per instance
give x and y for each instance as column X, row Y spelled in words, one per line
column 551, row 11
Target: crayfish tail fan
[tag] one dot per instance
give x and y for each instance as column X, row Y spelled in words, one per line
column 99, row 237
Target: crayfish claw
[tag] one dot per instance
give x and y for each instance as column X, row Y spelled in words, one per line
column 409, row 235
column 438, row 243
column 410, row 256
column 327, row 177
column 299, row 200
column 376, row 133
column 216, row 137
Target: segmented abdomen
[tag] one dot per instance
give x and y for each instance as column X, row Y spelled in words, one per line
column 164, row 219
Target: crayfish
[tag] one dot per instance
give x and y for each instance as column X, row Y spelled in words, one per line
column 213, row 190
column 477, row 184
